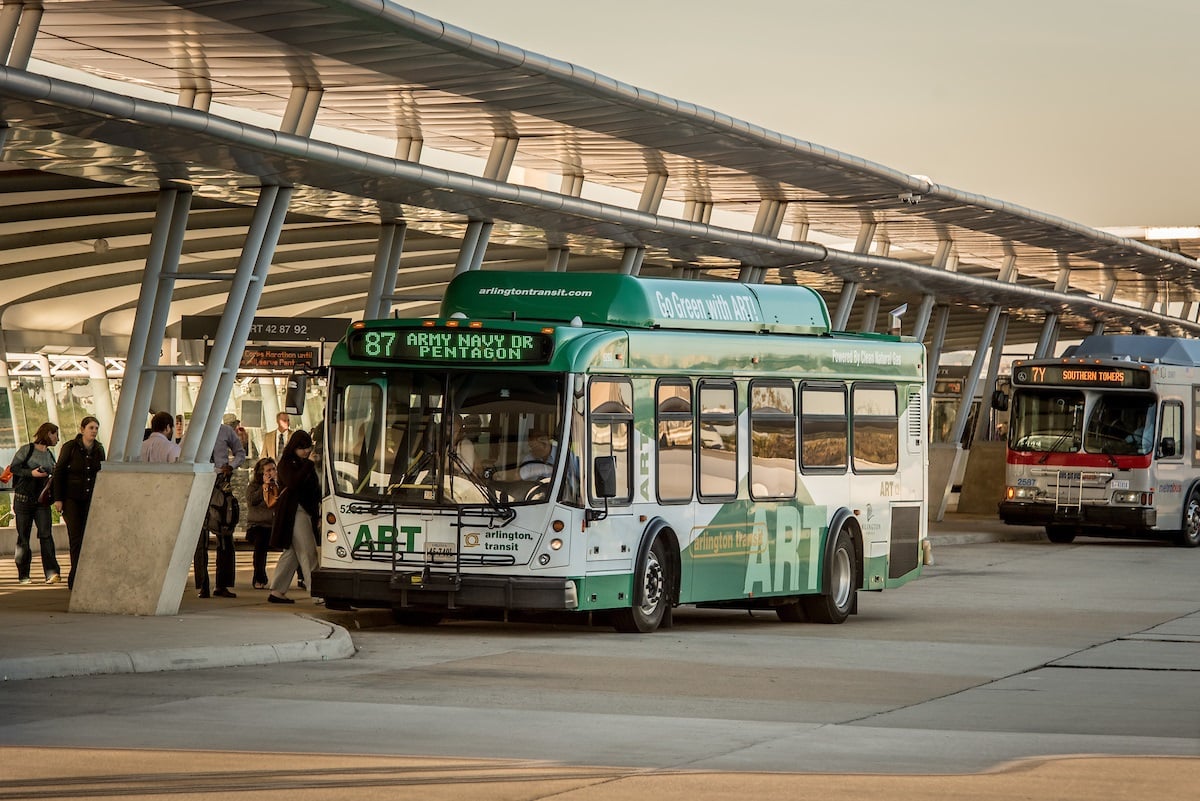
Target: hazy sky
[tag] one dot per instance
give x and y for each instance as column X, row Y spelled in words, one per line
column 1087, row 110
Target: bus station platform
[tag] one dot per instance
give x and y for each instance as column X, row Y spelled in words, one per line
column 40, row 639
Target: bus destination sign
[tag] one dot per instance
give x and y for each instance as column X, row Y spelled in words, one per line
column 1082, row 375
column 450, row 345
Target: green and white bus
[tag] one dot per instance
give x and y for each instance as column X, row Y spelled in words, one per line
column 620, row 445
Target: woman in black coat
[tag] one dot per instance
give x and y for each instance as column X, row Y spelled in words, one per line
column 73, row 479
column 297, row 513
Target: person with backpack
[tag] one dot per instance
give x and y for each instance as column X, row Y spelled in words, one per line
column 223, row 513
column 31, row 468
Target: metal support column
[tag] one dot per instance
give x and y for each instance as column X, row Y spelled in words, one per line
column 161, row 309
column 383, row 272
column 230, row 340
column 935, row 348
column 6, row 388
column 138, row 338
column 18, row 31
column 993, row 374
column 870, row 313
column 48, row 391
column 631, row 260
column 300, row 115
column 964, row 408
column 1048, row 337
column 921, row 320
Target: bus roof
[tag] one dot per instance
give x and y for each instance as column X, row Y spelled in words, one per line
column 1136, row 348
column 630, row 302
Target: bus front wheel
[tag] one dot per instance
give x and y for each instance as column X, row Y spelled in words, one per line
column 1063, row 535
column 835, row 607
column 654, row 580
column 1189, row 535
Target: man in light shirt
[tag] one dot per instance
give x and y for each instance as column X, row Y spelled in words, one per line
column 160, row 446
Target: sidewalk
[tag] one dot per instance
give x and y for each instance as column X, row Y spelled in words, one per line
column 40, row 639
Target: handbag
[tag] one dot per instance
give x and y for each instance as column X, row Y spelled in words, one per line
column 46, row 497
column 6, row 476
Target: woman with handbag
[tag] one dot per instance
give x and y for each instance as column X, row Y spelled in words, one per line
column 74, row 479
column 31, row 468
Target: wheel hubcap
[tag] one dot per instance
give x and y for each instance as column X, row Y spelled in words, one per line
column 652, row 586
column 840, row 578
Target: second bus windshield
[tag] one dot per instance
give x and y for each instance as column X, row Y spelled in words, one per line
column 1062, row 421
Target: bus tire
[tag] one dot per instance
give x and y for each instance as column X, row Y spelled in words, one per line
column 1063, row 535
column 837, row 605
column 416, row 617
column 654, row 578
column 792, row 612
column 1189, row 535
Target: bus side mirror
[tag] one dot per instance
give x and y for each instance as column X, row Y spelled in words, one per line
column 605, row 471
column 1166, row 447
column 293, row 397
column 1000, row 401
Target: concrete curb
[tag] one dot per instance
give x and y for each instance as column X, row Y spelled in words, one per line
column 336, row 644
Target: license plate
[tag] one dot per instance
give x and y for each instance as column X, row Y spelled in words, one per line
column 439, row 551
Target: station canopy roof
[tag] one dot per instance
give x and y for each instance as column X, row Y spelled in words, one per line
column 411, row 113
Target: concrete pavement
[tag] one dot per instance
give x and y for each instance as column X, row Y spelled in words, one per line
column 40, row 639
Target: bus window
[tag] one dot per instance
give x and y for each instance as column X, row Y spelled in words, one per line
column 1196, row 425
column 718, row 440
column 876, row 428
column 772, row 440
column 1170, row 438
column 675, row 425
column 823, row 429
column 611, row 404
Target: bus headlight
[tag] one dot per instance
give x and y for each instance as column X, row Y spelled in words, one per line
column 1022, row 493
column 1135, row 497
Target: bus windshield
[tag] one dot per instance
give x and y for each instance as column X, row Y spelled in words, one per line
column 438, row 438
column 1121, row 425
column 1047, row 421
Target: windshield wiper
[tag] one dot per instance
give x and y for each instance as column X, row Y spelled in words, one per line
column 1054, row 445
column 466, row 472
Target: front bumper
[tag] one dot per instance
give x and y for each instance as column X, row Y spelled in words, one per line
column 415, row 589
column 1134, row 519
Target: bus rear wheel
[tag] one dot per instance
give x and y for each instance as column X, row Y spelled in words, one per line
column 1189, row 535
column 1063, row 535
column 654, row 581
column 835, row 607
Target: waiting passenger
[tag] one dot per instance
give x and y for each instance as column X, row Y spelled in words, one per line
column 261, row 495
column 160, row 447
column 74, row 481
column 296, row 516
column 32, row 466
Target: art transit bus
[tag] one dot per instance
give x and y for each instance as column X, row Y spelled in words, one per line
column 620, row 445
column 1104, row 441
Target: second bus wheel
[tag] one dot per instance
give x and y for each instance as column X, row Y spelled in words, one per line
column 1189, row 535
column 1063, row 535
column 654, row 581
column 835, row 607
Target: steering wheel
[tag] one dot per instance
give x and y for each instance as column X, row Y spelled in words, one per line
column 539, row 491
column 549, row 469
